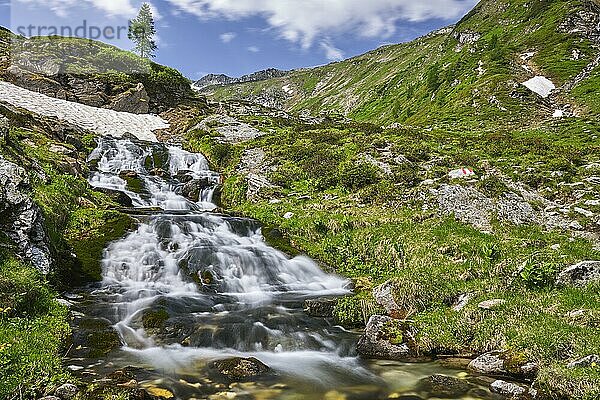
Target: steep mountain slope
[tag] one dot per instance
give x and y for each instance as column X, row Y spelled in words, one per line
column 469, row 74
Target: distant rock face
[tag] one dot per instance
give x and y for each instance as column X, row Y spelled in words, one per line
column 20, row 218
column 579, row 274
column 221, row 79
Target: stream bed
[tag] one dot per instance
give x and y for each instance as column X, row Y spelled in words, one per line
column 190, row 287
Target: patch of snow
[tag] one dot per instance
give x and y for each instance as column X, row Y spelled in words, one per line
column 101, row 121
column 540, row 85
column 288, row 89
column 558, row 114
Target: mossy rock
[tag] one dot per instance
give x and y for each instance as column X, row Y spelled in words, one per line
column 155, row 319
column 97, row 230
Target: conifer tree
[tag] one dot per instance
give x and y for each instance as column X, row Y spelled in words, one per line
column 142, row 32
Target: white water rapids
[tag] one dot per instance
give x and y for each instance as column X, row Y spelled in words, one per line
column 190, row 286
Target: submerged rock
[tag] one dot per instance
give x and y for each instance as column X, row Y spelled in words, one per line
column 579, row 274
column 239, row 368
column 444, row 387
column 384, row 339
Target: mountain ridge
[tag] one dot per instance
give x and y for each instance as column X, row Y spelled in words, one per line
column 474, row 69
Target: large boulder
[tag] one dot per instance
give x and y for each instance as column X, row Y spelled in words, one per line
column 20, row 218
column 135, row 101
column 385, row 338
column 579, row 274
column 239, row 368
column 67, row 391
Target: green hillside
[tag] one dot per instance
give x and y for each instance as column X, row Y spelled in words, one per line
column 468, row 74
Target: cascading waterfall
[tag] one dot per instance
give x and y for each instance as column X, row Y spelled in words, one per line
column 220, row 290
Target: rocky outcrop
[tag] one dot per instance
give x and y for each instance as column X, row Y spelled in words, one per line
column 466, row 203
column 20, row 218
column 580, row 274
column 238, row 368
column 385, row 338
column 135, row 101
column 230, row 129
column 98, row 120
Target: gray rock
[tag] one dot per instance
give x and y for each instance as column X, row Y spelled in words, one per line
column 238, row 368
column 193, row 189
column 444, row 387
column 323, row 307
column 20, row 218
column 375, row 342
column 493, row 363
column 462, row 301
column 135, row 101
column 580, row 274
column 4, row 127
column 513, row 208
column 491, row 304
column 384, row 296
column 67, row 391
column 467, row 204
column 507, row 389
column 49, row 398
column 585, row 361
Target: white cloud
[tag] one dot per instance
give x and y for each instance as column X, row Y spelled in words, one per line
column 303, row 21
column 331, row 52
column 227, row 37
column 62, row 8
column 253, row 49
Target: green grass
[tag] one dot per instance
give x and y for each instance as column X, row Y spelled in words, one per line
column 33, row 331
column 373, row 227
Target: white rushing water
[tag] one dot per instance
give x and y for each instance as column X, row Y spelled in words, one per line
column 240, row 277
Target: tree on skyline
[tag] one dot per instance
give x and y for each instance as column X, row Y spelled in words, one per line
column 142, row 32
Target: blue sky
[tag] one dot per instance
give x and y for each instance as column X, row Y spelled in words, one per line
column 237, row 37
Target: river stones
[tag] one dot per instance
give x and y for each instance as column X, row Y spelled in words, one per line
column 385, row 338
column 238, row 368
column 444, row 387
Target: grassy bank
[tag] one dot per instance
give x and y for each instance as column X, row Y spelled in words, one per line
column 372, row 226
column 33, row 331
column 79, row 222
